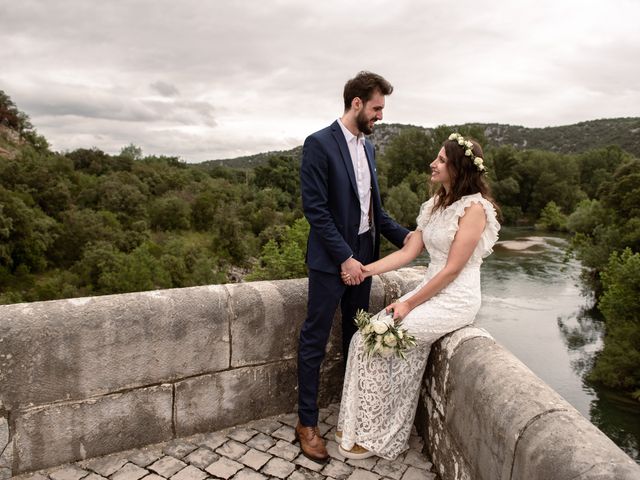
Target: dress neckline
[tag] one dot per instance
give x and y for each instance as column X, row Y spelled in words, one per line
column 471, row 195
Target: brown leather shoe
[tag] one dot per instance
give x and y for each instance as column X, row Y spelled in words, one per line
column 311, row 443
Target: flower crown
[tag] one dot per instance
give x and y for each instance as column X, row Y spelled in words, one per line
column 468, row 150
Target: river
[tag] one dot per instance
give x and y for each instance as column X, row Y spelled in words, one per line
column 533, row 305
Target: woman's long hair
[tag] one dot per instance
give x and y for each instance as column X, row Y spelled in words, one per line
column 464, row 175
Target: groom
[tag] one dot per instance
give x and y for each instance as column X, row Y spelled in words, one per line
column 341, row 201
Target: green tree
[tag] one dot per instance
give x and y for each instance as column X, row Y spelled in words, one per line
column 96, row 162
column 552, row 219
column 281, row 172
column 27, row 232
column 14, row 119
column 587, row 216
column 103, row 269
column 411, row 151
column 596, row 166
column 403, row 205
column 131, row 152
column 284, row 259
column 170, row 213
column 618, row 364
column 81, row 227
column 119, row 192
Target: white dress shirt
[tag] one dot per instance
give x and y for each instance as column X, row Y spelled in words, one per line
column 363, row 175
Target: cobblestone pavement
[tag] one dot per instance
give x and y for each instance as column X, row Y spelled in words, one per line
column 262, row 449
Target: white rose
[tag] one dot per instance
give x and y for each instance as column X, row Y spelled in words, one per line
column 367, row 329
column 400, row 334
column 468, row 144
column 461, row 141
column 380, row 327
column 478, row 161
column 390, row 340
column 453, row 136
column 467, row 152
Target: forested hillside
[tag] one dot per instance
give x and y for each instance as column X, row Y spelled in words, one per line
column 577, row 138
column 88, row 223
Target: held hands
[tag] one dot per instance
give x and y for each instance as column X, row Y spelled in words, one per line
column 399, row 310
column 352, row 272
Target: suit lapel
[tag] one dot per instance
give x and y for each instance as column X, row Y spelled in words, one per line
column 368, row 148
column 346, row 156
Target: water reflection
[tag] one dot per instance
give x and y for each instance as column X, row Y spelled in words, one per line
column 533, row 305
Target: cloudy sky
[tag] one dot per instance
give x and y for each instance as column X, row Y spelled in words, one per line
column 211, row 79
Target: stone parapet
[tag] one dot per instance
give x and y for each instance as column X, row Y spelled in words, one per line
column 88, row 376
column 486, row 416
column 85, row 377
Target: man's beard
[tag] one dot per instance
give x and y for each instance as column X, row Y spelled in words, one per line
column 362, row 123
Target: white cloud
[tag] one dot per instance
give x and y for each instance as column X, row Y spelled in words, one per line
column 206, row 80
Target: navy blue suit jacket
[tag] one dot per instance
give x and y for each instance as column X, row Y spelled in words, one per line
column 331, row 204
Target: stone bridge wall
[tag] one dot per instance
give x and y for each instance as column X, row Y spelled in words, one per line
column 84, row 377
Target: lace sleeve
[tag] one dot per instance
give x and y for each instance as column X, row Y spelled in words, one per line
column 424, row 214
column 489, row 235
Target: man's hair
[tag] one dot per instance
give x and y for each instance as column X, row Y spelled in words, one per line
column 364, row 85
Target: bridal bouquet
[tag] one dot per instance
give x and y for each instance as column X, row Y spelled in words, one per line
column 382, row 336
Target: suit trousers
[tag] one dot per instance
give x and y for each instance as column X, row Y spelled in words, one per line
column 326, row 291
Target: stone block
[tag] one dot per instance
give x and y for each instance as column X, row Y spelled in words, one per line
column 242, row 434
column 248, row 474
column 6, row 449
column 224, row 468
column 179, row 448
column 213, row 402
column 167, row 466
column 337, row 469
column 190, row 473
column 308, row 464
column 260, row 309
column 484, row 407
column 390, row 469
column 364, row 474
column 145, row 456
column 201, row 458
column 105, row 466
column 79, row 348
column 285, row 433
column 284, row 450
column 130, row 471
column 443, row 448
column 66, row 432
column 398, row 282
column 277, row 467
column 232, row 449
column 265, row 425
column 68, row 472
column 564, row 444
column 4, row 434
column 255, row 459
column 261, row 442
column 490, row 397
column 487, row 397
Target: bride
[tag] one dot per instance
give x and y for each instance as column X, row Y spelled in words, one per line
column 458, row 227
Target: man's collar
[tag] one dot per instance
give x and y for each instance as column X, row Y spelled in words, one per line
column 347, row 133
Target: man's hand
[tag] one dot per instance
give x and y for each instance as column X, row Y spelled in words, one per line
column 352, row 272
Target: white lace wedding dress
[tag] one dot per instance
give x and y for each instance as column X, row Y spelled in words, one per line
column 380, row 395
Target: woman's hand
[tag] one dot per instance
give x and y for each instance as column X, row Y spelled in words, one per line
column 399, row 309
column 367, row 271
